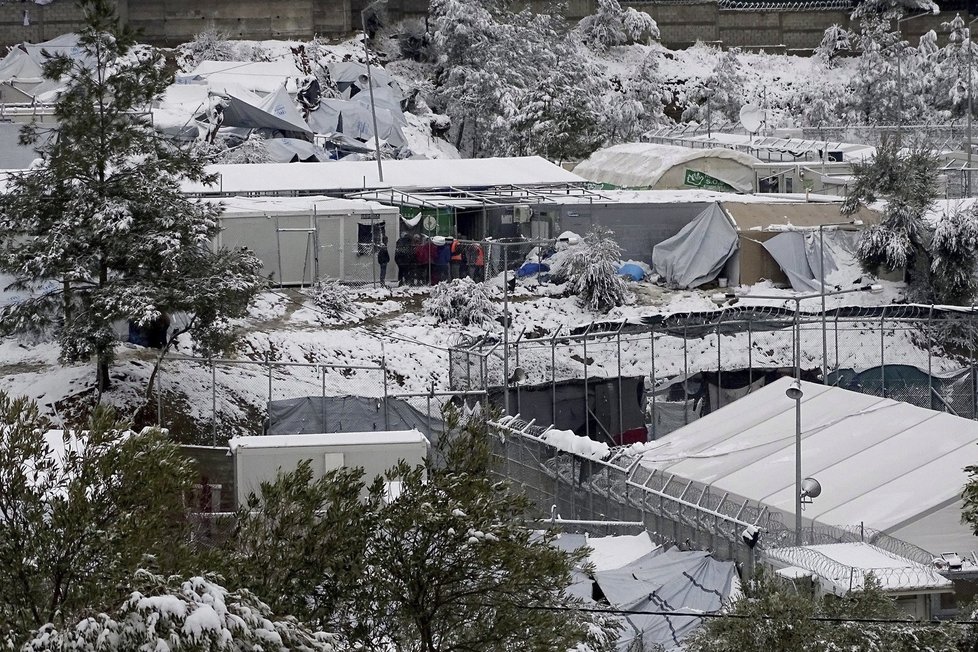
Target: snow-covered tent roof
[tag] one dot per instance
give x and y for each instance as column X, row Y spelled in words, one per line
column 842, row 567
column 348, row 176
column 260, row 77
column 890, row 466
column 648, row 165
column 353, row 118
column 18, row 66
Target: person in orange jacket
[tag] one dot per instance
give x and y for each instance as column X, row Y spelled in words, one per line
column 476, row 262
column 458, row 251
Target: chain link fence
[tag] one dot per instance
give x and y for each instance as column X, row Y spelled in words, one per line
column 232, row 396
column 690, row 364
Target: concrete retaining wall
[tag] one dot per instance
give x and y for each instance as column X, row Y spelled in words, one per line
column 169, row 22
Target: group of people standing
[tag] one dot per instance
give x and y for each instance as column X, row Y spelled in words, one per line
column 426, row 261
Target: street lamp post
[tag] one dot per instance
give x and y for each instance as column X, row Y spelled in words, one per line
column 370, row 86
column 795, row 391
column 968, row 144
column 821, row 284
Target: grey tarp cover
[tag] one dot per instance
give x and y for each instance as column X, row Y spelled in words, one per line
column 673, row 580
column 798, row 255
column 354, row 119
column 316, row 414
column 291, row 150
column 274, row 113
column 699, row 251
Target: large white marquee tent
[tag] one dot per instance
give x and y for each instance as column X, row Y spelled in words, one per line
column 882, row 464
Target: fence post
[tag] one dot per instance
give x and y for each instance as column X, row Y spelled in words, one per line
column 159, row 396
column 750, row 351
column 652, row 378
column 587, row 403
column 882, row 354
column 268, row 361
column 383, row 370
column 553, row 376
column 685, row 375
column 213, row 402
column 620, row 424
column 974, row 380
column 719, row 364
column 322, row 398
column 930, row 378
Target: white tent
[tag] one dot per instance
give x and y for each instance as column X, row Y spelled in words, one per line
column 798, row 254
column 882, row 464
column 260, row 77
column 353, row 118
column 647, row 165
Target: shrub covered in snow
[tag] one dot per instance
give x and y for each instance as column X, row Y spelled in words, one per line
column 462, row 300
column 591, row 269
column 612, row 25
column 192, row 615
column 333, row 298
column 212, row 45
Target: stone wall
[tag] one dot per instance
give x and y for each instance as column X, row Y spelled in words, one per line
column 169, row 22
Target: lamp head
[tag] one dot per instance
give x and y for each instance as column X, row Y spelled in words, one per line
column 810, row 488
column 794, row 391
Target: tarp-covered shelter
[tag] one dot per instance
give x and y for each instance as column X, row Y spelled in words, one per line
column 313, row 414
column 275, row 116
column 22, row 73
column 780, row 242
column 634, row 575
column 699, row 252
column 300, row 239
column 883, row 465
column 353, row 118
column 648, row 165
column 749, row 242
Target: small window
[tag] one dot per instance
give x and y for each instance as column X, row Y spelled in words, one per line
column 370, row 235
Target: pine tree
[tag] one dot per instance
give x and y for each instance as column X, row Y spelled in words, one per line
column 593, row 272
column 612, row 25
column 721, row 94
column 80, row 512
column 103, row 215
column 193, row 615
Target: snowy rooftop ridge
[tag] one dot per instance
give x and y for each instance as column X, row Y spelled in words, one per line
column 371, row 438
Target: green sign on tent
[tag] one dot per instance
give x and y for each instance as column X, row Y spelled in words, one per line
column 698, row 179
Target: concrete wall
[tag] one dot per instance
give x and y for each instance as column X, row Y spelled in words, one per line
column 169, row 22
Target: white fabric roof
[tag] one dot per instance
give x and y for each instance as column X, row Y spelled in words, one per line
column 373, row 438
column 641, row 165
column 886, row 464
column 236, row 206
column 360, row 175
column 262, row 77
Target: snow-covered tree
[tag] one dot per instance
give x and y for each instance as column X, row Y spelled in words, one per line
column 461, row 300
column 193, row 615
column 835, row 40
column 907, row 184
column 775, row 615
column 333, row 298
column 592, row 272
column 103, row 214
column 612, row 25
column 214, row 45
column 954, row 256
column 81, row 511
column 638, row 104
column 721, row 94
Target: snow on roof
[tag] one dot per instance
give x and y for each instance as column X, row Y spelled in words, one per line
column 318, row 204
column 753, row 216
column 262, row 76
column 609, row 553
column 841, row 567
column 693, row 196
column 348, row 176
column 880, row 462
column 373, row 438
column 641, row 165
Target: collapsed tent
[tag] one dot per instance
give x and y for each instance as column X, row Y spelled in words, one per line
column 275, row 117
column 354, row 119
column 799, row 255
column 293, row 150
column 319, row 414
column 351, row 77
column 698, row 253
column 260, row 77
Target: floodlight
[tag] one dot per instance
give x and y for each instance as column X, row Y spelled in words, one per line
column 810, row 488
column 750, row 535
column 518, row 376
column 794, row 391
column 875, row 288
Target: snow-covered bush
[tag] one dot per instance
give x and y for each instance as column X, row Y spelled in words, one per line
column 413, row 41
column 462, row 300
column 333, row 298
column 611, row 25
column 720, row 95
column 835, row 40
column 212, row 45
column 954, row 256
column 250, row 150
column 193, row 615
column 592, row 272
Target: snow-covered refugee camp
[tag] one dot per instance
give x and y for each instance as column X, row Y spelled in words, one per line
column 402, row 326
